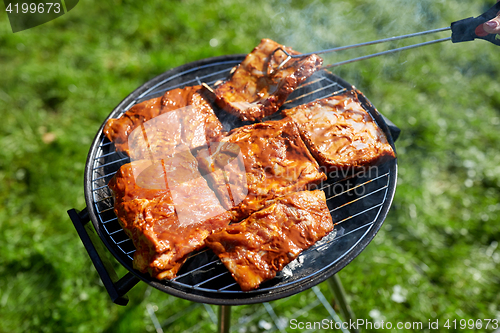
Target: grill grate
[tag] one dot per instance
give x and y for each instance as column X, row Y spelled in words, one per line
column 358, row 203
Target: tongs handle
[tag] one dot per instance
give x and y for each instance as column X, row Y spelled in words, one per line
column 466, row 30
column 462, row 31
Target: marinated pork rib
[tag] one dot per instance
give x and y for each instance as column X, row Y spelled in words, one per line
column 263, row 244
column 340, row 133
column 190, row 121
column 167, row 209
column 258, row 162
column 251, row 93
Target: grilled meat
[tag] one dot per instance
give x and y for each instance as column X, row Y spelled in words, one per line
column 185, row 116
column 259, row 172
column 340, row 133
column 259, row 162
column 251, row 93
column 263, row 244
column 167, row 209
column 118, row 130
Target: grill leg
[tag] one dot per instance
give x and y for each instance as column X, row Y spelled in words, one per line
column 116, row 288
column 224, row 319
column 340, row 298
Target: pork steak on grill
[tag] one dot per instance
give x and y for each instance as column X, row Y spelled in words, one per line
column 340, row 133
column 181, row 116
column 167, row 209
column 251, row 93
column 263, row 244
column 274, row 161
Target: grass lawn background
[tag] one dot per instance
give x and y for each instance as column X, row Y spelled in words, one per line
column 438, row 249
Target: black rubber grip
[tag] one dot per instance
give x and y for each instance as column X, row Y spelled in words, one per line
column 465, row 30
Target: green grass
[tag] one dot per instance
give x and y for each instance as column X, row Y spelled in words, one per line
column 59, row 81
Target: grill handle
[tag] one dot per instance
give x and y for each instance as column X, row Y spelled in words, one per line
column 395, row 131
column 116, row 288
column 468, row 29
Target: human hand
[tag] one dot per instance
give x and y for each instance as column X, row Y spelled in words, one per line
column 490, row 27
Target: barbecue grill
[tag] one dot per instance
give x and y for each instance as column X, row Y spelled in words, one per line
column 358, row 204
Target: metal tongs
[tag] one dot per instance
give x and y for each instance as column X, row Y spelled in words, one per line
column 461, row 31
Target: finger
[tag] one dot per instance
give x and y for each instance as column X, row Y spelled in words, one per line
column 492, row 26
